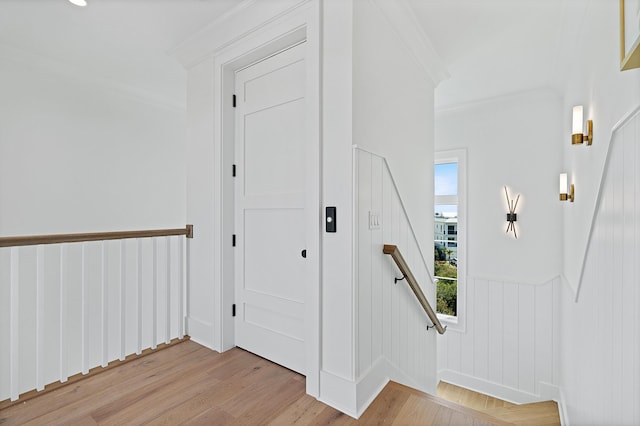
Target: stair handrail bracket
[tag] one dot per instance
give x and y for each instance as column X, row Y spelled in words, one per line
column 395, row 254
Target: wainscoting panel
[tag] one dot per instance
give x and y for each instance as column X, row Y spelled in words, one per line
column 600, row 356
column 507, row 348
column 391, row 325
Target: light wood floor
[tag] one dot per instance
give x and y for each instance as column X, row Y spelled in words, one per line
column 469, row 398
column 189, row 384
column 539, row 413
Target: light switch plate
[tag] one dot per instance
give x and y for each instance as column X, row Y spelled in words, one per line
column 374, row 220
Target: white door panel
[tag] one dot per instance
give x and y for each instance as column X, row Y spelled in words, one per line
column 282, row 201
column 272, row 220
column 273, row 82
column 272, row 246
column 272, row 321
column 277, row 304
column 266, row 137
column 270, row 334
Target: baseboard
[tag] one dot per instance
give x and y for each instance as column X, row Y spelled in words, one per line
column 200, row 332
column 486, row 387
column 371, row 384
column 373, row 381
column 400, row 377
column 353, row 398
column 549, row 392
column 562, row 408
column 339, row 393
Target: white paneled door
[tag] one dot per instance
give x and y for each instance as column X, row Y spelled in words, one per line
column 271, row 222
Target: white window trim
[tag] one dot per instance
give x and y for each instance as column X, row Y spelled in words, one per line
column 457, row 156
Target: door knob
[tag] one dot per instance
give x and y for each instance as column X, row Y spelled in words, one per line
column 304, row 253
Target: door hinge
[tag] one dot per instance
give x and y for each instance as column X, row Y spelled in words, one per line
column 234, row 101
column 233, row 170
column 233, row 240
column 233, row 310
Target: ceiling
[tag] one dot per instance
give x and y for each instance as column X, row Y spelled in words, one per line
column 119, row 41
column 490, row 47
column 493, row 47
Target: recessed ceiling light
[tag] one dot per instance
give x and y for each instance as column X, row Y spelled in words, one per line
column 81, row 3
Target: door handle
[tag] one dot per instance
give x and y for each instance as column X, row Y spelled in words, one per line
column 304, row 253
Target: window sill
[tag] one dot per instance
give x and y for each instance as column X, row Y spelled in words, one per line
column 448, row 319
column 451, row 322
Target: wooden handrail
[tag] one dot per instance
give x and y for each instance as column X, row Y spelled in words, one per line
column 33, row 240
column 413, row 283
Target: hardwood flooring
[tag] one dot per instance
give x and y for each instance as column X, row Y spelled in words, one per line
column 539, row 413
column 189, row 384
column 469, row 398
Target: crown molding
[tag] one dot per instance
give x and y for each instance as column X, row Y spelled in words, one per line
column 251, row 15
column 241, row 21
column 406, row 25
column 539, row 92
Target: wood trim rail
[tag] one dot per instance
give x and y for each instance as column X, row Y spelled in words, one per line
column 394, row 252
column 33, row 240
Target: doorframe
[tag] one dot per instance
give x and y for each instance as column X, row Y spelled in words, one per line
column 301, row 24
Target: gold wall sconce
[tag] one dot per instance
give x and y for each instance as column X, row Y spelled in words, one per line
column 564, row 194
column 577, row 137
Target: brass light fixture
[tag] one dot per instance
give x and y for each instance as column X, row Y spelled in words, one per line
column 564, row 195
column 577, row 136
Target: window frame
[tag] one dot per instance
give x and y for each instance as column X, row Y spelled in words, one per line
column 459, row 156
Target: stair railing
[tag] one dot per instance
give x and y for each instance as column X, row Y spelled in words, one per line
column 108, row 316
column 394, row 252
column 32, row 240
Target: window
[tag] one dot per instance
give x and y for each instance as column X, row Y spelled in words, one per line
column 449, row 227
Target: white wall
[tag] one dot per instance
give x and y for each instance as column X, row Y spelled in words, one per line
column 391, row 326
column 337, row 190
column 599, row 331
column 596, row 346
column 506, row 348
column 392, row 117
column 202, row 185
column 76, row 156
column 593, row 80
column 510, row 340
column 600, row 363
column 393, row 111
column 510, row 141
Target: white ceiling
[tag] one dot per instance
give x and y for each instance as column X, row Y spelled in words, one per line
column 121, row 41
column 493, row 47
column 490, row 47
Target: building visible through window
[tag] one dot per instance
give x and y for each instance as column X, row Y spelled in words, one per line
column 446, row 237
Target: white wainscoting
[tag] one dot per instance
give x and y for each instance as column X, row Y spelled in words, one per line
column 600, row 354
column 67, row 308
column 392, row 341
column 507, row 349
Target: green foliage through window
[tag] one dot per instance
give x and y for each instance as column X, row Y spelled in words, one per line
column 447, row 289
column 447, row 297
